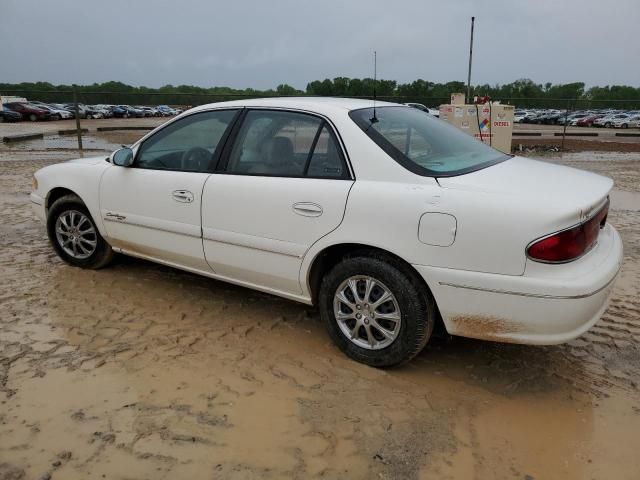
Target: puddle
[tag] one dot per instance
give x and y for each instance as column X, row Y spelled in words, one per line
column 623, row 200
column 62, row 142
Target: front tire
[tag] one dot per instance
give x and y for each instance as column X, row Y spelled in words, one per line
column 74, row 235
column 376, row 313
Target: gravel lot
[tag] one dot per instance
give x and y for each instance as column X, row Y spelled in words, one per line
column 139, row 371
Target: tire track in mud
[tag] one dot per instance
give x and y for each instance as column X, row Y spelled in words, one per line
column 611, row 348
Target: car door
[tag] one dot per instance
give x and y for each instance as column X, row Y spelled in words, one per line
column 283, row 185
column 153, row 207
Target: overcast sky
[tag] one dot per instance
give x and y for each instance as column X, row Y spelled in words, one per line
column 242, row 43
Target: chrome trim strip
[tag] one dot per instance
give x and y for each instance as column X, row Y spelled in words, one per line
column 140, row 224
column 534, row 295
column 243, row 240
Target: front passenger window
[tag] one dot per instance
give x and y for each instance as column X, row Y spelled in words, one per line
column 189, row 144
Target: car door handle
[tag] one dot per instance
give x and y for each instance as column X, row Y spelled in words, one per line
column 184, row 196
column 307, row 209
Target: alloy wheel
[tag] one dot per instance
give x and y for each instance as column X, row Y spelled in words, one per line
column 76, row 234
column 367, row 312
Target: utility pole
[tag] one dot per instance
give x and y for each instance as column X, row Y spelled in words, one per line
column 470, row 58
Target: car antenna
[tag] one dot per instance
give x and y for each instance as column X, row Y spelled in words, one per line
column 374, row 119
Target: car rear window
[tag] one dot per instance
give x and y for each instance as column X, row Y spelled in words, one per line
column 422, row 143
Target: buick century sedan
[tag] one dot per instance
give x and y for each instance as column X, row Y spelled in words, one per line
column 389, row 220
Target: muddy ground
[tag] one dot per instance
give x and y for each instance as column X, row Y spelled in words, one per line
column 139, row 371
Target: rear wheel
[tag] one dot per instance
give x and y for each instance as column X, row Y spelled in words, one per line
column 375, row 312
column 33, row 117
column 74, row 235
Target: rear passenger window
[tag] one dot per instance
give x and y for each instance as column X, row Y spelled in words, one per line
column 285, row 144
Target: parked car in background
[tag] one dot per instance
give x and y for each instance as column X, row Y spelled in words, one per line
column 588, row 120
column 29, row 111
column 82, row 109
column 56, row 113
column 553, row 118
column 99, row 111
column 634, row 122
column 127, row 111
column 7, row 115
column 621, row 121
column 607, row 121
column 532, row 117
column 135, row 112
column 418, row 225
column 572, row 119
column 167, row 111
column 92, row 112
column 119, row 111
column 431, row 111
column 150, row 111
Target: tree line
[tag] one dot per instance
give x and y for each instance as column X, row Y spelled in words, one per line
column 522, row 93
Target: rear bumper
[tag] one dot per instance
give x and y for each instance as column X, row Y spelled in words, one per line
column 547, row 305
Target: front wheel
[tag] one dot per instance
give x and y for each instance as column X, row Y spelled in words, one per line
column 33, row 117
column 376, row 313
column 74, row 235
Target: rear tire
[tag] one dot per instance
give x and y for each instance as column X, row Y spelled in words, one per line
column 410, row 301
column 33, row 117
column 74, row 235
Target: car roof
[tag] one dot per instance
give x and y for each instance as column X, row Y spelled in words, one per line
column 322, row 105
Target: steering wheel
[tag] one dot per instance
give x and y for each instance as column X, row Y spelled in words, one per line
column 197, row 158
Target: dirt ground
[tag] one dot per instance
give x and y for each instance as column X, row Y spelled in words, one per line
column 139, row 371
column 610, row 144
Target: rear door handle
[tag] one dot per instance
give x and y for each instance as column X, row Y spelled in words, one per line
column 307, row 209
column 183, row 196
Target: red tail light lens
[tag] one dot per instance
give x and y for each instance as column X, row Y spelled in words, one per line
column 569, row 244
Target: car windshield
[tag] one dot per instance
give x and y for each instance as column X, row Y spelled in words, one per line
column 423, row 144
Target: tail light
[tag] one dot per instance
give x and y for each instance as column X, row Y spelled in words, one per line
column 569, row 244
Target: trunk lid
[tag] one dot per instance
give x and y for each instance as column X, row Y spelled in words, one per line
column 501, row 209
column 566, row 193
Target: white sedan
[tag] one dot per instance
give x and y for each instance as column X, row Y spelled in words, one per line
column 392, row 222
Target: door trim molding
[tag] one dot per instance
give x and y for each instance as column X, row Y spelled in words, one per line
column 256, row 243
column 153, row 223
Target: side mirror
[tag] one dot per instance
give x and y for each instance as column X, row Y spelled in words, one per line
column 122, row 157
